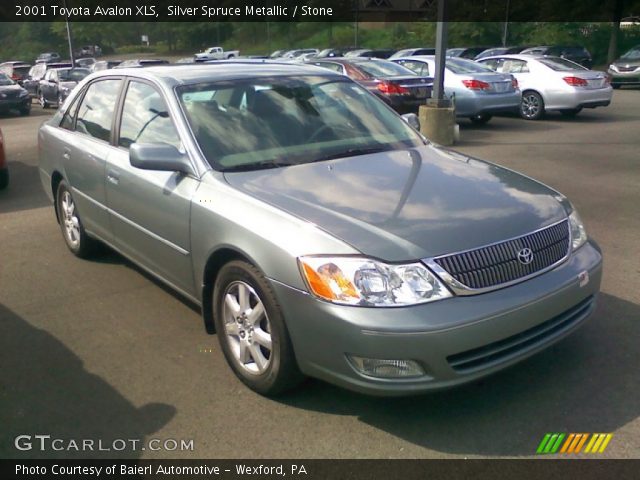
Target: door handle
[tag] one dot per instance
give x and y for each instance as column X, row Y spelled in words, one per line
column 113, row 177
column 66, row 154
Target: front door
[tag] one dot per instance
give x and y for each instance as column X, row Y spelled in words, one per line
column 150, row 210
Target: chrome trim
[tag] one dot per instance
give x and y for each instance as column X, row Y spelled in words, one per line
column 461, row 289
column 150, row 233
column 87, row 197
column 155, row 236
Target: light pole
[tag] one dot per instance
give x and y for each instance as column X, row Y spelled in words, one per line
column 506, row 27
column 66, row 20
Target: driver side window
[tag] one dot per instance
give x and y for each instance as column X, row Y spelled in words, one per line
column 146, row 118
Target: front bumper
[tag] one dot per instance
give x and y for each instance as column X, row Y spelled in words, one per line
column 625, row 78
column 456, row 340
column 15, row 103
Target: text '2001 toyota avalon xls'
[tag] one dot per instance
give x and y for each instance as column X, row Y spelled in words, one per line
column 320, row 233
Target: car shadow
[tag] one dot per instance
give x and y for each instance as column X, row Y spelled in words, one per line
column 585, row 383
column 45, row 390
column 24, row 191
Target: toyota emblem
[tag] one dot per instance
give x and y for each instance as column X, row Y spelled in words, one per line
column 525, row 256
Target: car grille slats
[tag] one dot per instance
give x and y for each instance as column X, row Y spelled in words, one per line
column 497, row 264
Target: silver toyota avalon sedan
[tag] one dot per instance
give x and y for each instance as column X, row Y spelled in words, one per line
column 553, row 83
column 320, row 233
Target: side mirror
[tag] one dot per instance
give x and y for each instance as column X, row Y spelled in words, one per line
column 413, row 120
column 159, row 156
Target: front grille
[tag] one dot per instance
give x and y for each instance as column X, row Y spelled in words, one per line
column 496, row 264
column 488, row 355
column 626, row 69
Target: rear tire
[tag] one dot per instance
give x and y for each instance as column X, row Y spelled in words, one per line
column 73, row 232
column 481, row 118
column 532, row 106
column 4, row 178
column 251, row 330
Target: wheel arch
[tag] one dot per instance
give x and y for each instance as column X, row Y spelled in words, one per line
column 215, row 261
column 56, row 178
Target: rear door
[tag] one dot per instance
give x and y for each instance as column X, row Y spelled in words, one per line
column 149, row 210
column 86, row 151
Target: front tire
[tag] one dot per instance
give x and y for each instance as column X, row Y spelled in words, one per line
column 73, row 232
column 532, row 106
column 43, row 101
column 615, row 86
column 251, row 330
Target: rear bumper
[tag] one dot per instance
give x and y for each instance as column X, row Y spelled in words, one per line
column 455, row 340
column 469, row 106
column 597, row 97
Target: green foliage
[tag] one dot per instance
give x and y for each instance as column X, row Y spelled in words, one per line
column 26, row 40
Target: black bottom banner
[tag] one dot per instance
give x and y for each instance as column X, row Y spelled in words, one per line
column 323, row 469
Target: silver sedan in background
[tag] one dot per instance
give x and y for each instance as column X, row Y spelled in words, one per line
column 553, row 83
column 479, row 92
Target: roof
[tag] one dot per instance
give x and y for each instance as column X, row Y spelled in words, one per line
column 182, row 74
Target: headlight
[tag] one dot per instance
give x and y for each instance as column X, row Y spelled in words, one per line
column 368, row 282
column 24, row 93
column 613, row 67
column 578, row 232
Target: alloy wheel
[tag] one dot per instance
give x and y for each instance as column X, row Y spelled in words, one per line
column 247, row 328
column 70, row 219
column 531, row 105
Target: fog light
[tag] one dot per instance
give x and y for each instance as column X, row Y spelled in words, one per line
column 382, row 368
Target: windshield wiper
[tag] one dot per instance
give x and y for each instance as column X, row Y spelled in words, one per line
column 353, row 152
column 247, row 167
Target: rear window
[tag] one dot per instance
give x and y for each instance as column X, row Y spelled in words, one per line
column 74, row 75
column 460, row 66
column 561, row 64
column 383, row 69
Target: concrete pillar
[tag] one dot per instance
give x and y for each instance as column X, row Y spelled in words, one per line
column 438, row 122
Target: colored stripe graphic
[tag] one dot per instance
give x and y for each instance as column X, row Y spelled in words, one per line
column 574, row 442
column 550, row 443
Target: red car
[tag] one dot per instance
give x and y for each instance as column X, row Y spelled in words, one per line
column 4, row 171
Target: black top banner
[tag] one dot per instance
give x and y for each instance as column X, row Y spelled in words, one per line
column 318, row 10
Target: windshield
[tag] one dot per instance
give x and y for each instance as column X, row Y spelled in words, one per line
column 561, row 64
column 277, row 121
column 74, row 75
column 5, row 80
column 382, row 69
column 461, row 66
column 633, row 54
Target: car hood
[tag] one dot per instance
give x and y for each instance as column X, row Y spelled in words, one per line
column 621, row 62
column 408, row 204
column 10, row 88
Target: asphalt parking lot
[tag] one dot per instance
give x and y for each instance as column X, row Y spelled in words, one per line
column 96, row 349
